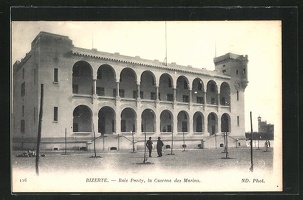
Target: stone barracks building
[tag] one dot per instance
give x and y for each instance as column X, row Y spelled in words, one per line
column 122, row 99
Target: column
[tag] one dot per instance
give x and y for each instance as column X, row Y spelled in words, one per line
column 117, row 89
column 138, row 91
column 175, row 94
column 139, row 122
column 190, row 100
column 118, row 123
column 218, row 101
column 204, row 98
column 219, row 124
column 191, row 124
column 94, row 86
column 157, row 122
column 205, row 125
column 175, row 123
column 95, row 122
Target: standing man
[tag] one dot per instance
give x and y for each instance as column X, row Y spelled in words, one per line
column 159, row 147
column 149, row 145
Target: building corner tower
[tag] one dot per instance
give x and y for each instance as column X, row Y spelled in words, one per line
column 235, row 66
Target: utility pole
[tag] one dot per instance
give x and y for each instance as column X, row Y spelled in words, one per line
column 133, row 141
column 251, row 144
column 39, row 131
column 144, row 140
column 183, row 142
column 94, row 141
column 65, row 142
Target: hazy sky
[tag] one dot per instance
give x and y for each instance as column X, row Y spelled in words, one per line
column 188, row 43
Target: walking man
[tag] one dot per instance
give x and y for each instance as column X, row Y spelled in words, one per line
column 149, row 145
column 159, row 147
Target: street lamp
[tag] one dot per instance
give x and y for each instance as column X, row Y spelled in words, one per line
column 144, row 140
column 183, row 142
column 133, row 141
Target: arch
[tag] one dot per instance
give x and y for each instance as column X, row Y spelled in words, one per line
column 212, row 124
column 183, row 89
column 148, row 121
column 106, row 81
column 166, row 121
column 128, row 84
column 166, row 91
column 128, row 120
column 225, row 94
column 198, row 91
column 106, row 120
column 82, row 119
column 225, row 123
column 212, row 93
column 82, row 78
column 148, row 86
column 183, row 120
column 198, row 125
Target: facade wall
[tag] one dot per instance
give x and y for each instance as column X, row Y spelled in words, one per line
column 118, row 97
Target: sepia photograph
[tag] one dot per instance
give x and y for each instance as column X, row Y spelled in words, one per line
column 146, row 106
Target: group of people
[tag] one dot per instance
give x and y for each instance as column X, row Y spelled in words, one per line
column 149, row 145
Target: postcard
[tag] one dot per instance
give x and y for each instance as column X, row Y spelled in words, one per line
column 146, row 106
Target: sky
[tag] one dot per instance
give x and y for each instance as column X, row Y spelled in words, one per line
column 193, row 43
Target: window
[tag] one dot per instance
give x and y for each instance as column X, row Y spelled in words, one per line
column 100, row 91
column 243, row 71
column 169, row 83
column 153, row 96
column 23, row 89
column 223, row 71
column 185, row 116
column 237, row 95
column 76, row 72
column 22, row 126
column 223, row 101
column 123, row 126
column 141, row 94
column 114, row 92
column 23, row 73
column 75, row 127
column 159, row 96
column 168, row 128
column 199, row 99
column 212, row 117
column 185, row 85
column 237, row 72
column 238, row 121
column 113, row 125
column 135, row 94
column 75, row 89
column 212, row 88
column 170, row 97
column 99, row 74
column 22, row 111
column 223, row 65
column 213, row 101
column 121, row 92
column 185, row 98
column 184, row 126
column 56, row 75
column 55, row 114
column 199, row 86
